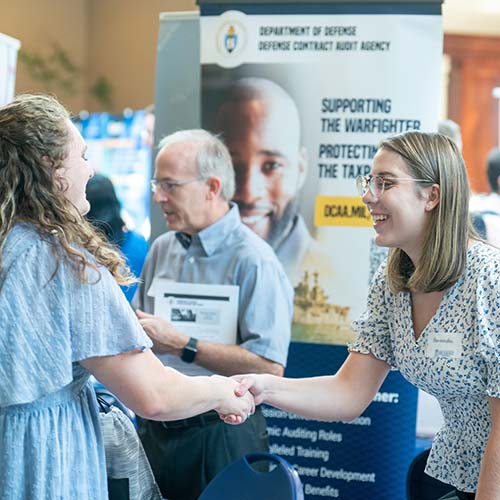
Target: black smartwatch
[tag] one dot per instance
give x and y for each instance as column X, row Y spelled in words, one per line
column 190, row 350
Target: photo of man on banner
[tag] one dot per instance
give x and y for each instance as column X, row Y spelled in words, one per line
column 270, row 164
column 260, row 123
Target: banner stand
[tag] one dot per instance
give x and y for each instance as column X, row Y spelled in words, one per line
column 8, row 58
column 349, row 74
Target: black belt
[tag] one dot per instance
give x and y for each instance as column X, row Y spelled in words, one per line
column 208, row 418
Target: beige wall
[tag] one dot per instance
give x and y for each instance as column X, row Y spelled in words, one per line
column 122, row 46
column 472, row 17
column 111, row 38
column 38, row 24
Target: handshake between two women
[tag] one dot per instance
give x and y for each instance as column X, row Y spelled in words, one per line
column 248, row 393
column 231, row 397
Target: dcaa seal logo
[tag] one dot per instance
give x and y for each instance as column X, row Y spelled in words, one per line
column 231, row 39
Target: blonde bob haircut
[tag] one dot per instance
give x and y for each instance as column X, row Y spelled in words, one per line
column 34, row 142
column 436, row 159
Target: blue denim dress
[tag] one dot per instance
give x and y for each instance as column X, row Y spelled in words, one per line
column 50, row 440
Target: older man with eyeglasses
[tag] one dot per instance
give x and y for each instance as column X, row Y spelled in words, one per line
column 208, row 244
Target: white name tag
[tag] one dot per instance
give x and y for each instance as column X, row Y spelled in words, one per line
column 444, row 345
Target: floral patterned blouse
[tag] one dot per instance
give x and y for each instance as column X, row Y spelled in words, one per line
column 456, row 358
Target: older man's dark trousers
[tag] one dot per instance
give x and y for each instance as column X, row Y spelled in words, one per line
column 186, row 455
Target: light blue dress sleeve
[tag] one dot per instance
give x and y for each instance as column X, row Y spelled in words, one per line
column 372, row 327
column 488, row 323
column 49, row 320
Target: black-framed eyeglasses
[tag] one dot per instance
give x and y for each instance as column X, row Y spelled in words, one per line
column 168, row 186
column 377, row 184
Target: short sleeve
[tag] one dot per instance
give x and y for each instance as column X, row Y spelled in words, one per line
column 49, row 320
column 488, row 323
column 102, row 323
column 266, row 310
column 372, row 327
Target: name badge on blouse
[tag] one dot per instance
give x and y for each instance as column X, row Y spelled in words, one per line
column 444, row 345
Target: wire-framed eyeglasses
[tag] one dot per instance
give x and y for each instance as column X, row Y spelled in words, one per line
column 168, row 186
column 377, row 184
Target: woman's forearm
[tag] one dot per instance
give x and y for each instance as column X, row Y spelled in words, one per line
column 343, row 396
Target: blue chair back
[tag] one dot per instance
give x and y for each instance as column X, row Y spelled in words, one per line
column 420, row 486
column 240, row 480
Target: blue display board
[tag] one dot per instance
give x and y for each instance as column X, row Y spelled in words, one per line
column 117, row 148
column 366, row 458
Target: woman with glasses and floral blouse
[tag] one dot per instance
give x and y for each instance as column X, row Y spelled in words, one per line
column 433, row 312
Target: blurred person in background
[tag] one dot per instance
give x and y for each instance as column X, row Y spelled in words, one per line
column 105, row 214
column 451, row 129
column 485, row 208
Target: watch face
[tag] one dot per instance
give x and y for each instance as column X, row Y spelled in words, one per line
column 189, row 352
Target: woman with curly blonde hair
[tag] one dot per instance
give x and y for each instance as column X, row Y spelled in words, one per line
column 63, row 317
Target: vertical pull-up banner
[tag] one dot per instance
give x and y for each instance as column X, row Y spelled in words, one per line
column 302, row 93
column 8, row 61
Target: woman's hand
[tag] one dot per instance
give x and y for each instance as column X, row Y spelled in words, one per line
column 253, row 383
column 235, row 404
